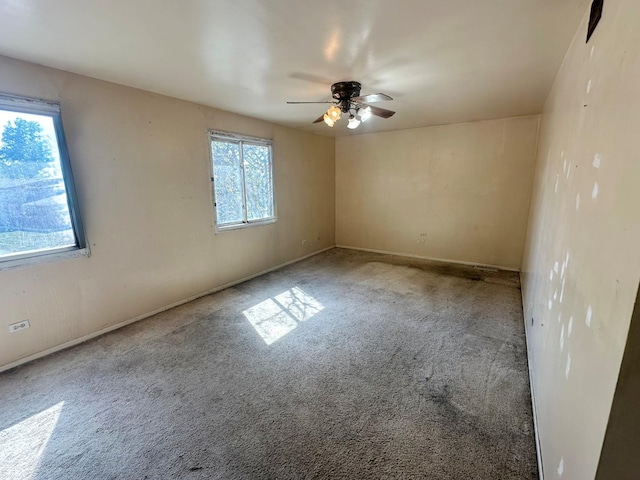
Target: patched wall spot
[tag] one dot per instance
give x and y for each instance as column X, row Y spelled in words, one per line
column 570, row 327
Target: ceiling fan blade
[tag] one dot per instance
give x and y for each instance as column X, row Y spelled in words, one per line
column 297, row 103
column 373, row 97
column 381, row 112
column 319, row 119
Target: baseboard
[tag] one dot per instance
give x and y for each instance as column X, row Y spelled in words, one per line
column 78, row 341
column 433, row 259
column 534, row 411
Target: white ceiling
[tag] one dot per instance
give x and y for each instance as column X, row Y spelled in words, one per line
column 443, row 61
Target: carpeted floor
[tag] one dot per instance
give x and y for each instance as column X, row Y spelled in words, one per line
column 348, row 365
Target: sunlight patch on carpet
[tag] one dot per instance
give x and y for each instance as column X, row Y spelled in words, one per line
column 22, row 444
column 279, row 315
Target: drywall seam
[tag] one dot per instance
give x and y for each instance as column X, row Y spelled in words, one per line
column 534, row 412
column 434, row 259
column 111, row 328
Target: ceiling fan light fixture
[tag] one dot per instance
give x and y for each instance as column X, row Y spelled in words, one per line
column 334, row 113
column 353, row 122
column 328, row 120
column 365, row 114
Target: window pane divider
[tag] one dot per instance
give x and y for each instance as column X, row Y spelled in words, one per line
column 244, row 184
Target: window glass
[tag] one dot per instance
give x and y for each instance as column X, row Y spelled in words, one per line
column 227, row 172
column 257, row 167
column 35, row 214
column 242, row 180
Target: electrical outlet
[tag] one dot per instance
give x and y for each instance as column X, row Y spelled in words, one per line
column 421, row 241
column 16, row 327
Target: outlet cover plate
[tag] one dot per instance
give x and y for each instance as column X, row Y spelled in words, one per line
column 16, row 327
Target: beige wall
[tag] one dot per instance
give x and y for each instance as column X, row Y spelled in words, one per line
column 466, row 186
column 142, row 173
column 582, row 260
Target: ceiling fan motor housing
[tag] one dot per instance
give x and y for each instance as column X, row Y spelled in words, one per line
column 344, row 92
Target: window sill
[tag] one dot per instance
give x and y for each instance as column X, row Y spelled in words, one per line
column 238, row 226
column 43, row 257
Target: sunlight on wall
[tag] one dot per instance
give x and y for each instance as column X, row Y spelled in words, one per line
column 277, row 316
column 22, row 444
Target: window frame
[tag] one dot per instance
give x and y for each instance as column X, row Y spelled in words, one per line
column 51, row 109
column 240, row 139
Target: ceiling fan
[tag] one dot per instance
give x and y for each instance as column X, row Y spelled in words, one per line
column 347, row 100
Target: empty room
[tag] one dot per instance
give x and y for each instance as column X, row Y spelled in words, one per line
column 320, row 240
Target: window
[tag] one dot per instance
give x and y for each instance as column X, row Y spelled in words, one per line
column 38, row 209
column 242, row 180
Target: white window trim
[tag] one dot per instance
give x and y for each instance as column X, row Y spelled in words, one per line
column 228, row 136
column 81, row 249
column 38, row 257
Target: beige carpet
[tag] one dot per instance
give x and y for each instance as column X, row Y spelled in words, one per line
column 348, row 365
